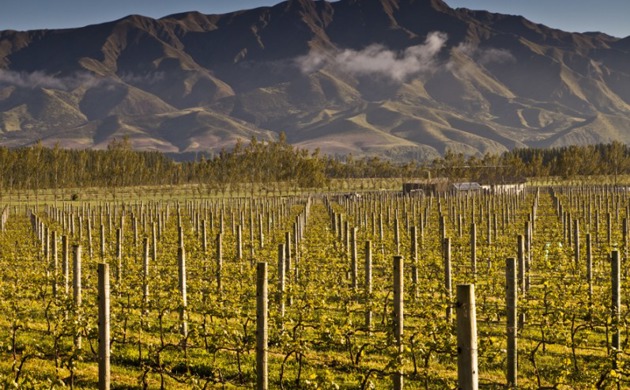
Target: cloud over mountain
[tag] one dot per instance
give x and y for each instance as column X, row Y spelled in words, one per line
column 377, row 60
column 40, row 79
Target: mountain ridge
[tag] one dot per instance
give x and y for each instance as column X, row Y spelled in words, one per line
column 396, row 78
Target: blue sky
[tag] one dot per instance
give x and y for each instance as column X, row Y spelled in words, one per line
column 610, row 16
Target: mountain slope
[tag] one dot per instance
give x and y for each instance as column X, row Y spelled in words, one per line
column 397, row 78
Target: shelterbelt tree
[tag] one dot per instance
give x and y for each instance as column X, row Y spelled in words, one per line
column 277, row 166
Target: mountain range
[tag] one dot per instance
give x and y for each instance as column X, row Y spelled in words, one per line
column 394, row 78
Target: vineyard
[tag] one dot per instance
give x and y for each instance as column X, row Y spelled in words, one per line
column 360, row 291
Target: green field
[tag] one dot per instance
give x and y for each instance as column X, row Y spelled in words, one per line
column 320, row 340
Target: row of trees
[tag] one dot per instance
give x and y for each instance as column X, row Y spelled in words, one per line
column 571, row 161
column 566, row 162
column 265, row 162
column 259, row 162
column 118, row 166
column 39, row 167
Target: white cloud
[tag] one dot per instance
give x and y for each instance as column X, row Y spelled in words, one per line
column 148, row 78
column 30, row 80
column 40, row 79
column 500, row 56
column 311, row 62
column 485, row 56
column 377, row 60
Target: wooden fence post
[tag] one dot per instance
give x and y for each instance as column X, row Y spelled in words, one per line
column 288, row 263
column 261, row 327
column 219, row 260
column 145, row 274
column 397, row 235
column 414, row 260
column 353, row 258
column 368, row 283
column 448, row 283
column 398, row 315
column 576, row 244
column 54, row 263
column 65, row 264
column 119, row 246
column 281, row 280
column 76, row 288
column 467, row 368
column 589, row 267
column 204, row 236
column 473, row 248
column 511, row 303
column 181, row 256
column 104, row 378
column 616, row 303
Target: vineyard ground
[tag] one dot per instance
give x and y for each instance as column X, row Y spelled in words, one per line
column 321, row 341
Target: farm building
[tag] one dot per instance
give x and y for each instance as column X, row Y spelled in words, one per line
column 510, row 186
column 426, row 187
column 513, row 188
column 466, row 187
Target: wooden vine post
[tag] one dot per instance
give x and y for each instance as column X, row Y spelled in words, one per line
column 576, row 243
column 181, row 257
column 528, row 255
column 353, row 258
column 511, row 292
column 262, row 378
column 65, row 264
column 467, row 367
column 288, row 263
column 239, row 243
column 397, row 235
column 368, row 284
column 448, row 283
column 281, row 280
column 102, row 241
column 219, row 264
column 54, row 263
column 589, row 268
column 521, row 277
column 414, row 260
column 145, row 273
column 616, row 303
column 76, row 289
column 204, row 236
column 473, row 248
column 398, row 316
column 119, row 246
column 104, row 377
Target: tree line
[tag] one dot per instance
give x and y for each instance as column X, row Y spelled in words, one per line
column 38, row 167
column 567, row 162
